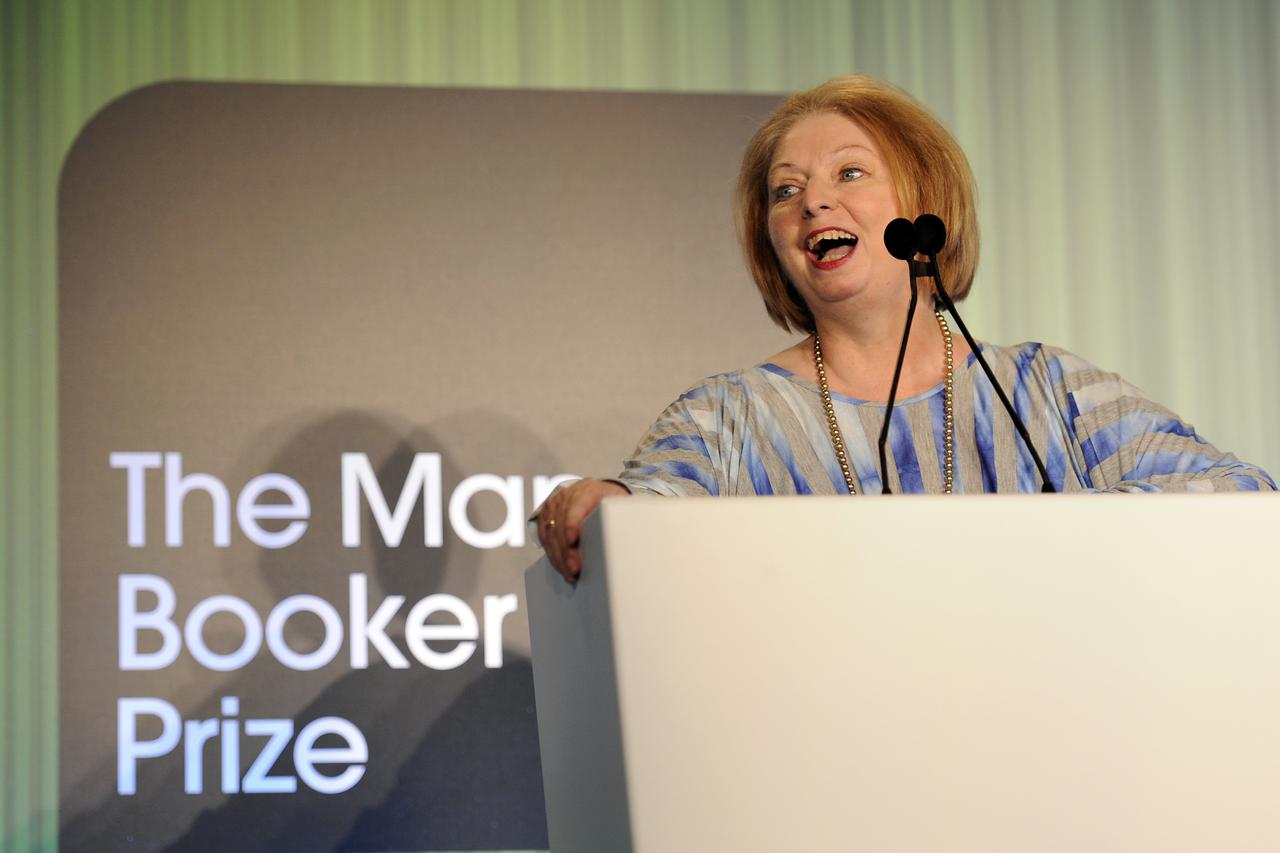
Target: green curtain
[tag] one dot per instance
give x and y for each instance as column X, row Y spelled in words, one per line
column 1124, row 153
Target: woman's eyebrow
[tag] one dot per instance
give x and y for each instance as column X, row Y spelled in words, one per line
column 843, row 148
column 852, row 146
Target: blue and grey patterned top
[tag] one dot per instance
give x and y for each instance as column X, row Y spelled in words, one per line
column 762, row 431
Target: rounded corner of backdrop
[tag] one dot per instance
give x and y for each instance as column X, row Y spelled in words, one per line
column 322, row 350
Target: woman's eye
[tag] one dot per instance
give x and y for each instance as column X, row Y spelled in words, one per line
column 850, row 173
column 784, row 192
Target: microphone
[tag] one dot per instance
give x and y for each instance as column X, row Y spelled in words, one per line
column 926, row 236
column 931, row 234
column 901, row 239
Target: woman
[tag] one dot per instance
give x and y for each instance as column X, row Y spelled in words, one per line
column 819, row 183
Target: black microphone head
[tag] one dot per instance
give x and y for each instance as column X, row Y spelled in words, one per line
column 900, row 239
column 931, row 234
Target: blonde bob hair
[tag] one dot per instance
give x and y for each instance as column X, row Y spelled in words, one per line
column 929, row 170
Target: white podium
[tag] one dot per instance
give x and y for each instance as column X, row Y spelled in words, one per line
column 1042, row 673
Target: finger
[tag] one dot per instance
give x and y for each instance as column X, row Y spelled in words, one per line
column 556, row 546
column 544, row 530
column 564, row 554
column 546, row 527
column 571, row 532
column 572, row 562
column 552, row 545
column 570, row 554
column 575, row 514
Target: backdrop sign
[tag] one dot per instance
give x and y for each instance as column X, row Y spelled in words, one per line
column 322, row 350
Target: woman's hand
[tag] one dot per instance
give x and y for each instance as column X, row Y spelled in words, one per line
column 560, row 521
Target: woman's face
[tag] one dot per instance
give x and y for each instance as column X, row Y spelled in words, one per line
column 830, row 198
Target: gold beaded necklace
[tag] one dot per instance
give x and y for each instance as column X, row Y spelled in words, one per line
column 837, row 439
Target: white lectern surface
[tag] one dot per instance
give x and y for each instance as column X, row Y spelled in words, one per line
column 1041, row 673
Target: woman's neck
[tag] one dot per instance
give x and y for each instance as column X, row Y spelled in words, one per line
column 859, row 352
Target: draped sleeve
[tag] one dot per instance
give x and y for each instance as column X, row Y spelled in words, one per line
column 1127, row 442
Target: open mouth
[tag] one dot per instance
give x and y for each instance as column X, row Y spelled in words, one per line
column 831, row 244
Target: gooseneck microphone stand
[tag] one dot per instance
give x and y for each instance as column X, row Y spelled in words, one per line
column 927, row 236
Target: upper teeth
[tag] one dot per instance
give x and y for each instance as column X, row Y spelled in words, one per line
column 829, row 234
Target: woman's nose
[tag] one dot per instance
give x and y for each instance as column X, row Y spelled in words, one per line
column 816, row 200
